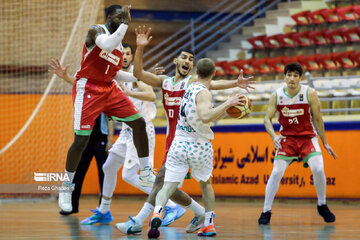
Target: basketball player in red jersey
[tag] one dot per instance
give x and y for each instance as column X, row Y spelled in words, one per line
column 95, row 91
column 301, row 123
column 173, row 89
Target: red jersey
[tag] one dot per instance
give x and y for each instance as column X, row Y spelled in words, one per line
column 172, row 95
column 99, row 65
column 295, row 113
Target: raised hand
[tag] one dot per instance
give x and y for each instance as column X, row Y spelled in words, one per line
column 244, row 83
column 142, row 36
column 126, row 14
column 330, row 150
column 158, row 70
column 55, row 67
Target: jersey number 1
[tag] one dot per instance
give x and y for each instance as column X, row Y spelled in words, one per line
column 107, row 69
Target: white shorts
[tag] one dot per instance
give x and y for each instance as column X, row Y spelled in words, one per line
column 125, row 147
column 184, row 154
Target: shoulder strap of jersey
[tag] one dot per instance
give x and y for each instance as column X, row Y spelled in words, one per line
column 165, row 80
column 105, row 28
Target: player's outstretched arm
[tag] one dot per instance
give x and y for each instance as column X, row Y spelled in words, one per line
column 204, row 106
column 123, row 76
column 142, row 40
column 111, row 130
column 55, row 67
column 270, row 113
column 318, row 120
column 96, row 34
column 146, row 92
column 241, row 82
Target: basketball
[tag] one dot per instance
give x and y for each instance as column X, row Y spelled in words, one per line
column 238, row 111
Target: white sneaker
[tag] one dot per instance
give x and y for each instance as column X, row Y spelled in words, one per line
column 65, row 197
column 129, row 227
column 146, row 177
column 195, row 224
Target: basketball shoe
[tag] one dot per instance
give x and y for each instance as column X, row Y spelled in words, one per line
column 207, row 231
column 195, row 224
column 154, row 224
column 98, row 217
column 129, row 227
column 146, row 177
column 65, row 197
column 172, row 214
column 324, row 212
column 265, row 217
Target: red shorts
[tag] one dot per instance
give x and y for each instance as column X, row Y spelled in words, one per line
column 165, row 157
column 169, row 140
column 301, row 146
column 92, row 98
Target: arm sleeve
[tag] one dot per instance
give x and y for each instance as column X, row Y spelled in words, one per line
column 109, row 43
column 125, row 76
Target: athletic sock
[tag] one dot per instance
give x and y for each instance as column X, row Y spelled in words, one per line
column 70, row 175
column 144, row 162
column 170, row 204
column 196, row 208
column 144, row 213
column 209, row 218
column 104, row 205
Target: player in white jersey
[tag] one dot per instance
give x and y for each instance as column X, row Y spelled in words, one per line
column 192, row 147
column 173, row 89
column 298, row 109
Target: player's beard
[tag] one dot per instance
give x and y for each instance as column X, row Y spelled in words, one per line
column 178, row 69
column 114, row 26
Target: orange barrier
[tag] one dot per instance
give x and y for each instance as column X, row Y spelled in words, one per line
column 243, row 164
column 242, row 158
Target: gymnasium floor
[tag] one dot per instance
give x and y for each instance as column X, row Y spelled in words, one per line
column 235, row 219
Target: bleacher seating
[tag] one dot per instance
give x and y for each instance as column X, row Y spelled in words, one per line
column 324, row 41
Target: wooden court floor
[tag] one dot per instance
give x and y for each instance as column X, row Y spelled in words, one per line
column 235, row 219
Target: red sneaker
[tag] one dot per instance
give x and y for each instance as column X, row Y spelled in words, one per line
column 154, row 224
column 208, row 231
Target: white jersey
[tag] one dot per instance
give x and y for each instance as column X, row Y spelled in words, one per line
column 146, row 109
column 124, row 145
column 189, row 123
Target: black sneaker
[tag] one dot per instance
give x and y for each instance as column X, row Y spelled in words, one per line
column 68, row 213
column 265, row 217
column 324, row 211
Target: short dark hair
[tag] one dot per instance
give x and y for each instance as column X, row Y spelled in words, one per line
column 205, row 67
column 111, row 9
column 126, row 45
column 291, row 67
column 184, row 50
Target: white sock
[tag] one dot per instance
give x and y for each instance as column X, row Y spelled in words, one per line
column 144, row 213
column 170, row 204
column 209, row 218
column 70, row 175
column 316, row 164
column 158, row 209
column 272, row 185
column 144, row 162
column 104, row 205
column 196, row 208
